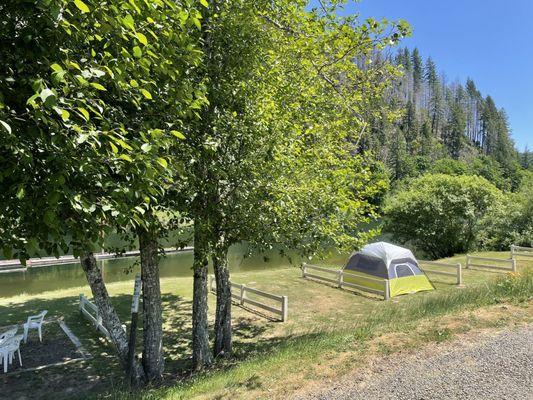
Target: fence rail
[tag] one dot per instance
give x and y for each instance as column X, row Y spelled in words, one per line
column 90, row 311
column 239, row 292
column 458, row 274
column 521, row 251
column 482, row 262
column 339, row 279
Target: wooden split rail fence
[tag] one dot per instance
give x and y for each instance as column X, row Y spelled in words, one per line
column 521, row 251
column 499, row 264
column 458, row 274
column 90, row 311
column 240, row 292
column 339, row 281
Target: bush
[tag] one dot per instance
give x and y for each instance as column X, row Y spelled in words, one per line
column 511, row 222
column 441, row 214
column 484, row 166
column 449, row 166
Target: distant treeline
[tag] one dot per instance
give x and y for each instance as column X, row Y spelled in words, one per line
column 435, row 119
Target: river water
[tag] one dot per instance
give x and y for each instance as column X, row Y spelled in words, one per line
column 41, row 279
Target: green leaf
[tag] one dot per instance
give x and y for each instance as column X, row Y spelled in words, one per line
column 146, row 94
column 49, row 218
column 98, row 86
column 142, row 38
column 204, row 3
column 196, row 22
column 48, row 97
column 128, row 22
column 75, row 65
column 84, row 113
column 162, row 162
column 82, row 6
column 6, row 126
column 123, row 144
column 56, row 67
column 134, row 83
column 64, row 114
column 146, row 147
column 20, row 193
column 137, row 52
column 126, row 157
column 178, row 134
column 114, row 148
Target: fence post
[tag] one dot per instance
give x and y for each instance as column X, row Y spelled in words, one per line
column 285, row 308
column 387, row 290
column 243, row 288
column 512, row 251
column 340, row 278
column 81, row 302
column 514, row 264
column 304, row 269
column 467, row 261
column 459, row 274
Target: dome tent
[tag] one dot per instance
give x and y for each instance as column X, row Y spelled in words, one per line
column 387, row 261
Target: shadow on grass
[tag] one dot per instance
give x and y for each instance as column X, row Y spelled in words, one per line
column 69, row 381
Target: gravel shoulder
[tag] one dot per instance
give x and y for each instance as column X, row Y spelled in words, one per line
column 482, row 366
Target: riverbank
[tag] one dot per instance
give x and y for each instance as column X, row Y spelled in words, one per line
column 328, row 331
column 15, row 265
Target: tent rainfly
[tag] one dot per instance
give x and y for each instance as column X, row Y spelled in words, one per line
column 394, row 263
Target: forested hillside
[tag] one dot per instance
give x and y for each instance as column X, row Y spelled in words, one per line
column 435, row 119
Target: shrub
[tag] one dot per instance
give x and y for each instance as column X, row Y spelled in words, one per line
column 449, row 166
column 511, row 222
column 440, row 214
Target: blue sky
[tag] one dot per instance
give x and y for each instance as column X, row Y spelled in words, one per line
column 490, row 41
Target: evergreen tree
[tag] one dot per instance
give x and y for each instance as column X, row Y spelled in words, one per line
column 455, row 129
column 526, row 159
column 418, row 71
column 435, row 96
column 410, row 127
column 473, row 106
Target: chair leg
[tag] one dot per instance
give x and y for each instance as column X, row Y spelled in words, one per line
column 5, row 363
column 40, row 334
column 25, row 334
column 20, row 358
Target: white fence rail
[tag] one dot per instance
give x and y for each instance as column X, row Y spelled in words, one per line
column 458, row 274
column 239, row 293
column 491, row 263
column 338, row 279
column 521, row 251
column 90, row 311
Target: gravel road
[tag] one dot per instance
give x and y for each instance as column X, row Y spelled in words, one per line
column 499, row 366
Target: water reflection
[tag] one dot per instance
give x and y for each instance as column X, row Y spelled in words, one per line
column 42, row 279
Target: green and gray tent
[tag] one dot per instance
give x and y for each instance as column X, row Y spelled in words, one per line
column 386, row 261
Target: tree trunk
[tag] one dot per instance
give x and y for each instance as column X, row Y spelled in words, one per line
column 202, row 356
column 153, row 360
column 222, row 346
column 109, row 316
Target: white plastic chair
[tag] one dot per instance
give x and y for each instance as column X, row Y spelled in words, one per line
column 34, row 322
column 8, row 334
column 8, row 348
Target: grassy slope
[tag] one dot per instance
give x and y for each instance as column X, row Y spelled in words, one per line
column 325, row 325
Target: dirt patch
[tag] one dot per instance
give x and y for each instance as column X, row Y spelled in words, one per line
column 51, row 369
column 55, row 348
column 50, row 351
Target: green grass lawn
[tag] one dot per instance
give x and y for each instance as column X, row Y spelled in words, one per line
column 324, row 323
